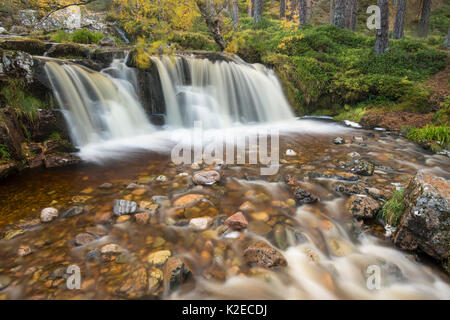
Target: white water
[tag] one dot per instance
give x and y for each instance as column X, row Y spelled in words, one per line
column 98, row 107
column 220, row 94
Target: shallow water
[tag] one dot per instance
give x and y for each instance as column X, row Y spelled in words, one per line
column 328, row 253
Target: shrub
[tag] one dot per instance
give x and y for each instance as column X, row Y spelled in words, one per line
column 194, row 41
column 393, row 209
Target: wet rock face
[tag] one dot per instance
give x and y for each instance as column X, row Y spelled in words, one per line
column 17, row 64
column 50, row 121
column 362, row 207
column 11, row 134
column 264, row 255
column 425, row 225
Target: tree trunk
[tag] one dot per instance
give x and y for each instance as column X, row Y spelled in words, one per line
column 382, row 36
column 348, row 13
column 293, row 9
column 332, row 11
column 258, row 10
column 447, row 42
column 355, row 8
column 235, row 13
column 251, row 5
column 213, row 22
column 399, row 25
column 282, row 9
column 425, row 18
column 339, row 13
column 302, row 12
column 309, row 9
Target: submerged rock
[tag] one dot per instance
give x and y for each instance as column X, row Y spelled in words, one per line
column 176, row 272
column 83, row 239
column 24, row 250
column 425, row 224
column 72, row 212
column 158, row 258
column 49, row 214
column 5, row 281
column 264, row 255
column 123, row 207
column 206, row 178
column 362, row 207
column 200, row 224
column 237, row 221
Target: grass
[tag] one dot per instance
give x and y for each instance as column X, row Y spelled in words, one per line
column 4, row 154
column 83, row 36
column 393, row 209
column 15, row 96
column 429, row 133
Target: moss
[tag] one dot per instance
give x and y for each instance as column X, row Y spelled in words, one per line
column 31, row 46
column 393, row 209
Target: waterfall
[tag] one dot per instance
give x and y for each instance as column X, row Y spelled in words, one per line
column 104, row 107
column 220, row 94
column 98, row 106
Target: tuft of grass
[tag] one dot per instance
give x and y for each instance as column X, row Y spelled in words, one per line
column 393, row 209
column 4, row 154
column 439, row 134
column 24, row 104
column 83, row 36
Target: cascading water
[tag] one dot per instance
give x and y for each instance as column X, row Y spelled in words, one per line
column 220, row 94
column 98, row 106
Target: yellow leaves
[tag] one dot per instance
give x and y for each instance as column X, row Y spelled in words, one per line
column 175, row 14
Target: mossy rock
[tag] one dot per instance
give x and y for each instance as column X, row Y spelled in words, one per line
column 31, row 46
column 70, row 51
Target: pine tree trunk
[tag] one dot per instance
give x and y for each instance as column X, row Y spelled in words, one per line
column 282, row 9
column 309, row 11
column 251, row 5
column 302, row 12
column 332, row 11
column 382, row 36
column 235, row 13
column 355, row 8
column 447, row 42
column 339, row 13
column 258, row 10
column 348, row 13
column 399, row 25
column 425, row 18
